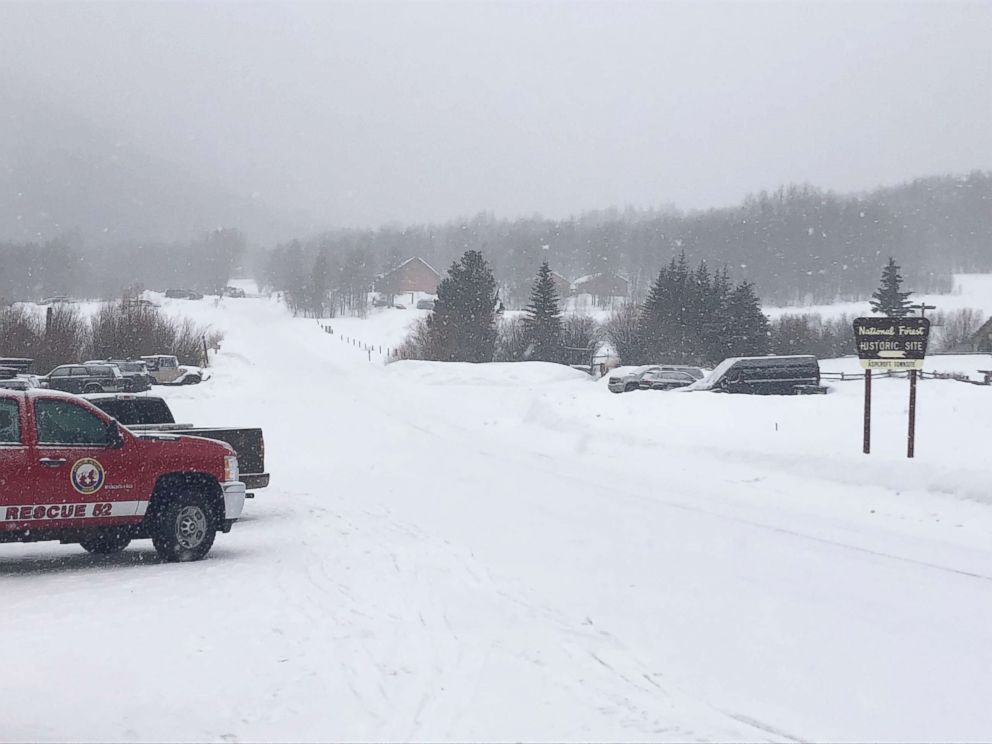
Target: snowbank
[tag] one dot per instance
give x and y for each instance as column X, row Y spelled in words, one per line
column 499, row 374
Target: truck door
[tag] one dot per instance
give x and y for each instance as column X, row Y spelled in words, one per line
column 80, row 470
column 14, row 458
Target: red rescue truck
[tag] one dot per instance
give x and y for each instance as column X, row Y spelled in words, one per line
column 69, row 472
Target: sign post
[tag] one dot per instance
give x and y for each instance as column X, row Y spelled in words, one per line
column 911, row 436
column 892, row 343
column 867, row 437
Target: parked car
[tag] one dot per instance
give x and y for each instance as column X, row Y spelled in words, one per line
column 166, row 370
column 85, row 378
column 150, row 413
column 73, row 474
column 183, row 294
column 140, row 302
column 768, row 375
column 233, row 292
column 665, row 379
column 19, row 364
column 17, row 383
column 622, row 381
column 425, row 304
column 137, row 378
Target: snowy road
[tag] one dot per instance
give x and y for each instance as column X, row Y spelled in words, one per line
column 446, row 555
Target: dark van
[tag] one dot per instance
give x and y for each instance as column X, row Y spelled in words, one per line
column 769, row 375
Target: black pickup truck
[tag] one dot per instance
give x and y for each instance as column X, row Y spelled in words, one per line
column 141, row 413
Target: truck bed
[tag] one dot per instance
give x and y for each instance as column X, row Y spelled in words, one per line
column 248, row 444
column 149, row 414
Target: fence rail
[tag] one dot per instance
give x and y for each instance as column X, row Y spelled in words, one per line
column 902, row 374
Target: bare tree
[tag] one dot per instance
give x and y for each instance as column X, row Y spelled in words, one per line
column 622, row 331
column 953, row 330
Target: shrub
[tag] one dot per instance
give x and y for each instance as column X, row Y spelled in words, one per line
column 126, row 330
column 954, row 329
column 511, row 340
column 580, row 334
column 58, row 335
column 418, row 343
column 810, row 333
column 622, row 331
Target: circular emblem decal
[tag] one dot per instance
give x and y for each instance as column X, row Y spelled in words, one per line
column 87, row 476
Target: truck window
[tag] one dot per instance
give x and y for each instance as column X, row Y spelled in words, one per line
column 10, row 423
column 63, row 422
column 61, row 372
column 136, row 412
column 153, row 411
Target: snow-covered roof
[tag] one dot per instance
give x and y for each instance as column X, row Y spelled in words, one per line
column 410, row 260
column 590, row 277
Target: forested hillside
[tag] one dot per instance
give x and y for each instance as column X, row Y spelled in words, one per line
column 797, row 245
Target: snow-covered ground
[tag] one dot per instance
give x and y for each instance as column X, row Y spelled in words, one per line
column 460, row 552
column 969, row 291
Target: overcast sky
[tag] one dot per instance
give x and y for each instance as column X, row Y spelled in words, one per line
column 365, row 113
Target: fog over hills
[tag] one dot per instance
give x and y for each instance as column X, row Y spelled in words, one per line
column 156, row 120
column 61, row 175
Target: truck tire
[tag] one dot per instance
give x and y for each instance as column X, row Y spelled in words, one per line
column 106, row 541
column 92, row 388
column 186, row 528
column 191, row 380
column 630, row 387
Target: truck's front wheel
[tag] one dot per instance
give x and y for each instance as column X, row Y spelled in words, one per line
column 186, row 529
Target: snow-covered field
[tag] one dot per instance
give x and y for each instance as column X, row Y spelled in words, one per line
column 459, row 552
column 969, row 291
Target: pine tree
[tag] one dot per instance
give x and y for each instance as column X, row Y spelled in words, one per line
column 542, row 323
column 718, row 322
column 888, row 299
column 747, row 324
column 654, row 326
column 462, row 327
column 700, row 309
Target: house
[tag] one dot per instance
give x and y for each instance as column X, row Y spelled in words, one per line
column 413, row 275
column 982, row 340
column 604, row 289
column 562, row 284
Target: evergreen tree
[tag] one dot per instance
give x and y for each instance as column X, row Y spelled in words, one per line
column 747, row 324
column 654, row 326
column 888, row 299
column 701, row 308
column 462, row 327
column 542, row 323
column 717, row 326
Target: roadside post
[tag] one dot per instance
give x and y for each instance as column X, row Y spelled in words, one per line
column 892, row 344
column 867, row 434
